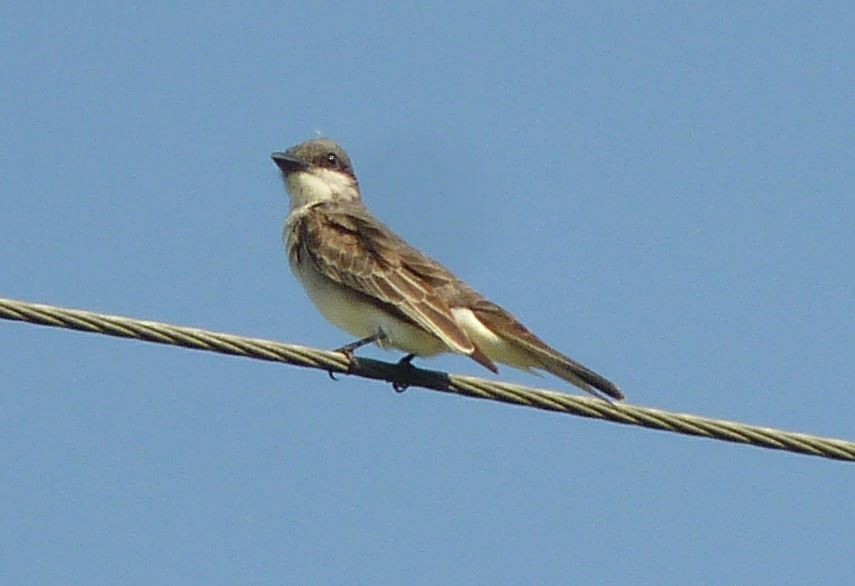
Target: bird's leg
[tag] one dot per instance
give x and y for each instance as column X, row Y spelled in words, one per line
column 348, row 349
column 405, row 362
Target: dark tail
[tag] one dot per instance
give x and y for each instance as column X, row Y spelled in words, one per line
column 581, row 376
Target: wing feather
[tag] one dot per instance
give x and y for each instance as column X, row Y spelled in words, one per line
column 351, row 247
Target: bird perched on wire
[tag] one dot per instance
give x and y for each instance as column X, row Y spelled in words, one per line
column 368, row 281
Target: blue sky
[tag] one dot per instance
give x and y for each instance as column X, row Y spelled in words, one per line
column 664, row 193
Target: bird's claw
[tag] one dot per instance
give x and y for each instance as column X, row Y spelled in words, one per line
column 404, row 363
column 348, row 353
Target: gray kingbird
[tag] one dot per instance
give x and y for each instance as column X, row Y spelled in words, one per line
column 368, row 281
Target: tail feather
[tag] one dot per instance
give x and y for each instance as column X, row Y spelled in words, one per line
column 581, row 376
column 525, row 350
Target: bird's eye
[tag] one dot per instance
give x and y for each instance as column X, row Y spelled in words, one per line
column 332, row 159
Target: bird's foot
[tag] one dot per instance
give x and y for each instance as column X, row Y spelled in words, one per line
column 405, row 363
column 348, row 350
column 350, row 359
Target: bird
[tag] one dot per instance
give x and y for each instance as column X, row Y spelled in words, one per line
column 368, row 281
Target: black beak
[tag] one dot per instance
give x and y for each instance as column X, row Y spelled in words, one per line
column 288, row 163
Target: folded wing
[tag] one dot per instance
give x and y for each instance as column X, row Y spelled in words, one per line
column 351, row 247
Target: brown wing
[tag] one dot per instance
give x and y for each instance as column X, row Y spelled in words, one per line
column 351, row 247
column 506, row 326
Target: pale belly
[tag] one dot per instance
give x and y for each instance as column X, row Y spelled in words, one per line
column 350, row 312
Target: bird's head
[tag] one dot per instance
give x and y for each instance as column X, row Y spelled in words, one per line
column 317, row 170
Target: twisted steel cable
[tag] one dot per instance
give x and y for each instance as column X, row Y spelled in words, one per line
column 408, row 376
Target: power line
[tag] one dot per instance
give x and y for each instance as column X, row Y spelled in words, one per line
column 478, row 388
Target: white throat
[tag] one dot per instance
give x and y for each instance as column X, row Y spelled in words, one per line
column 317, row 185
